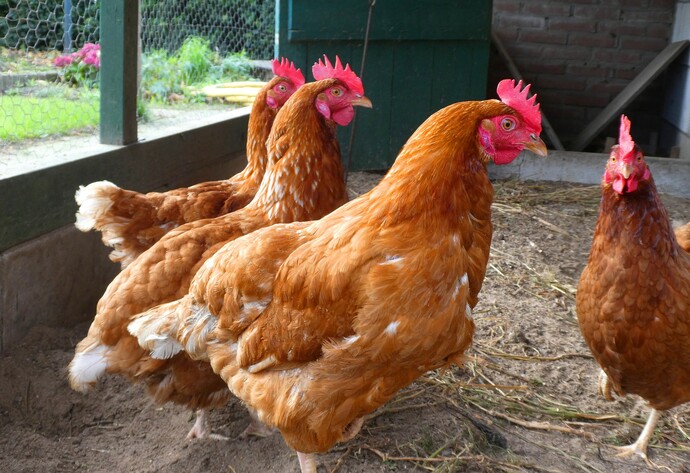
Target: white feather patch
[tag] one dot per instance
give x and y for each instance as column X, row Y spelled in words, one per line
column 87, row 366
column 392, row 328
column 94, row 201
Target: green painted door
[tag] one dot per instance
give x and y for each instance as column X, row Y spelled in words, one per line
column 422, row 55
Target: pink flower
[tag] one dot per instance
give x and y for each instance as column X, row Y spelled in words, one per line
column 62, row 61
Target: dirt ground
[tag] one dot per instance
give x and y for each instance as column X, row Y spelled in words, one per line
column 526, row 401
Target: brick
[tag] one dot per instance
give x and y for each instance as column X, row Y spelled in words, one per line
column 508, row 6
column 634, row 3
column 552, row 97
column 614, row 56
column 562, row 82
column 659, row 31
column 542, row 67
column 520, row 21
column 609, row 88
column 631, row 28
column 571, row 53
column 627, row 73
column 529, row 35
column 589, row 71
column 546, row 9
column 586, row 99
column 597, row 13
column 651, row 16
column 568, row 24
column 670, row 4
column 507, row 35
column 641, row 43
column 528, row 50
column 593, row 40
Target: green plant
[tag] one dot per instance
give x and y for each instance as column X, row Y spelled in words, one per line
column 81, row 68
column 194, row 58
column 165, row 76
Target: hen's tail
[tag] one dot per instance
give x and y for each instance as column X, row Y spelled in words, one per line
column 121, row 216
column 88, row 365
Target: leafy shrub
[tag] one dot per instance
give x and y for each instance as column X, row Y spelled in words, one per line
column 164, row 76
column 81, row 68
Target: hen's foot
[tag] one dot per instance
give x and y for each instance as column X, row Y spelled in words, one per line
column 639, row 448
column 202, row 428
column 307, row 462
column 257, row 429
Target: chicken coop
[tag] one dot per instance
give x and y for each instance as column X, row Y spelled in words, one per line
column 504, row 250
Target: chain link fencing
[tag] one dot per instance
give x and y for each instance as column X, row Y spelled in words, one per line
column 50, row 61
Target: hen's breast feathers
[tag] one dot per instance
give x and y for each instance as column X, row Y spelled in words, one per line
column 634, row 300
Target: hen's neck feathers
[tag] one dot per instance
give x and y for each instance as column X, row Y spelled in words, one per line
column 260, row 122
column 440, row 168
column 638, row 219
column 304, row 175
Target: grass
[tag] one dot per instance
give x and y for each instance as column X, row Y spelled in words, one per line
column 23, row 117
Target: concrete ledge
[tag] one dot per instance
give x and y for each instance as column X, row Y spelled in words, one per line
column 672, row 176
column 55, row 279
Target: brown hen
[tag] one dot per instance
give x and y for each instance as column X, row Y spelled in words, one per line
column 315, row 325
column 633, row 298
column 131, row 222
column 303, row 181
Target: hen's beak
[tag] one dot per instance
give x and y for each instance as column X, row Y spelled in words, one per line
column 626, row 171
column 362, row 101
column 536, row 145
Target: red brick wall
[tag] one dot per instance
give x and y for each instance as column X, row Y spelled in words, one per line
column 580, row 54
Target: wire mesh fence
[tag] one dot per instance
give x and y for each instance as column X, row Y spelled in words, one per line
column 50, row 61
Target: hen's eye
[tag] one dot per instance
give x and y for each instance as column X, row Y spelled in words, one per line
column 336, row 92
column 613, row 159
column 639, row 158
column 281, row 88
column 507, row 124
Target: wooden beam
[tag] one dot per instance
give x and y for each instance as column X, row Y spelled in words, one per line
column 119, row 51
column 512, row 67
column 627, row 95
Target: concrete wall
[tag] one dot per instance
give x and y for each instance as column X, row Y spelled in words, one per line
column 671, row 176
column 579, row 54
column 55, row 276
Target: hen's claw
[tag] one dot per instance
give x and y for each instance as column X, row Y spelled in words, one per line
column 604, row 386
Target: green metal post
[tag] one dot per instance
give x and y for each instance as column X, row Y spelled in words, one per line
column 119, row 41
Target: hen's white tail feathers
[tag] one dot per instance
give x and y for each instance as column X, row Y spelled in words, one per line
column 94, row 202
column 87, row 367
column 156, row 330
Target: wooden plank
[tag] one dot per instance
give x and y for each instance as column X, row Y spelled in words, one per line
column 119, row 43
column 392, row 20
column 627, row 95
column 512, row 67
column 35, row 203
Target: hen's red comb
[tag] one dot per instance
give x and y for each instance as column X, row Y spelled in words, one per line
column 625, row 141
column 528, row 108
column 285, row 68
column 345, row 75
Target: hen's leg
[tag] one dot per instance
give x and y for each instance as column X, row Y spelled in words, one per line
column 256, row 428
column 307, row 462
column 352, row 429
column 640, row 445
column 202, row 427
column 604, row 386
